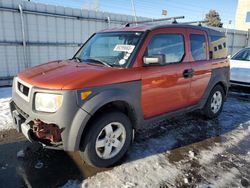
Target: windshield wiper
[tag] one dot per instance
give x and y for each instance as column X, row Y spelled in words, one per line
column 78, row 59
column 98, row 61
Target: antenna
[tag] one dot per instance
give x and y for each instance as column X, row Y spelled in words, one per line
column 133, row 7
column 173, row 20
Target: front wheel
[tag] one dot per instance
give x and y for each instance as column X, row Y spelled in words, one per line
column 214, row 104
column 107, row 140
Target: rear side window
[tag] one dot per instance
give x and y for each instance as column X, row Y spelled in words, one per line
column 198, row 47
column 170, row 45
column 217, row 46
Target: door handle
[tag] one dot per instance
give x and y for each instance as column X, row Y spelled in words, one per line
column 188, row 73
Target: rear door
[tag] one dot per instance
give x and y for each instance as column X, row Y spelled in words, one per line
column 200, row 64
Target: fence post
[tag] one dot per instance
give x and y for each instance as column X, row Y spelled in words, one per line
column 232, row 48
column 108, row 20
column 23, row 37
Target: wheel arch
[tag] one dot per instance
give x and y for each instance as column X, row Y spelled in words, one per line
column 117, row 105
column 223, row 85
column 125, row 98
column 219, row 77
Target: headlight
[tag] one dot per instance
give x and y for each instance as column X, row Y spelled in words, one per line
column 46, row 102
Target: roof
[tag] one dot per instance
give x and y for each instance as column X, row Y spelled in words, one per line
column 150, row 27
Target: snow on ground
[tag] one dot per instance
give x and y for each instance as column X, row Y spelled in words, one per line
column 157, row 171
column 186, row 152
column 5, row 116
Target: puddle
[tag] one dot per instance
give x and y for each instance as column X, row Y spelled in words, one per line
column 39, row 167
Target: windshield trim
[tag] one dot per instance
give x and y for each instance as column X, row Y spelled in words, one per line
column 137, row 49
column 83, row 45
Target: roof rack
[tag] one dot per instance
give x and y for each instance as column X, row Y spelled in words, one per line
column 173, row 20
column 199, row 23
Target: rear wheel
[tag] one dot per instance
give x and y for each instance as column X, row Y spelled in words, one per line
column 214, row 103
column 108, row 139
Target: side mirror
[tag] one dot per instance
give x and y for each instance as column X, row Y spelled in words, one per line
column 229, row 57
column 154, row 60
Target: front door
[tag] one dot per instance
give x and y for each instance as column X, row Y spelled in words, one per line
column 165, row 88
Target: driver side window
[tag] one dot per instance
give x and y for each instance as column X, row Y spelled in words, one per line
column 170, row 45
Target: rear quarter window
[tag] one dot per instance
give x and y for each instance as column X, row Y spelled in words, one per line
column 218, row 47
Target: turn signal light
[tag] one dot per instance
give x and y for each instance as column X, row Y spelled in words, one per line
column 85, row 94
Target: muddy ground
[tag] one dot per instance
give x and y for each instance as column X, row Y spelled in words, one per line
column 179, row 142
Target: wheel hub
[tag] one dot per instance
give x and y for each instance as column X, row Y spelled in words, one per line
column 110, row 140
column 216, row 102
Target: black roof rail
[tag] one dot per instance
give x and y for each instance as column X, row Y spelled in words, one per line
column 199, row 23
column 172, row 19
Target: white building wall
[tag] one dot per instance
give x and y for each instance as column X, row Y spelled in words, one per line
column 240, row 20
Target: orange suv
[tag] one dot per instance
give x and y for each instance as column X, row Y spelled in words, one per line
column 121, row 80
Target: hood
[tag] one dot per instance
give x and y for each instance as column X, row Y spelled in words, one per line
column 71, row 75
column 239, row 64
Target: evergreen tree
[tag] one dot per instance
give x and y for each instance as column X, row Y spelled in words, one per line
column 213, row 19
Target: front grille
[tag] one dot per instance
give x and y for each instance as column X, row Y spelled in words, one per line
column 23, row 89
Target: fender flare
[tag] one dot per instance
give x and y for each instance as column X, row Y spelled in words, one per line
column 102, row 98
column 217, row 78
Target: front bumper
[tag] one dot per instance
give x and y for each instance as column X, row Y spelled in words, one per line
column 69, row 118
column 26, row 126
column 240, row 76
column 19, row 122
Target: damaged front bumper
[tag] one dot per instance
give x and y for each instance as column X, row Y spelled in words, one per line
column 49, row 135
column 59, row 130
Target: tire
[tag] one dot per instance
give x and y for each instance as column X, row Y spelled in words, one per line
column 105, row 130
column 215, row 102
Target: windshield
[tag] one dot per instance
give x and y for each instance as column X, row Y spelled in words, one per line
column 243, row 55
column 110, row 49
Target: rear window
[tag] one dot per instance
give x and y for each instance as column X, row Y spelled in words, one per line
column 218, row 47
column 198, row 47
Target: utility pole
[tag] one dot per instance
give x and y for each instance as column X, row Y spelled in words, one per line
column 229, row 23
column 92, row 5
column 133, row 7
